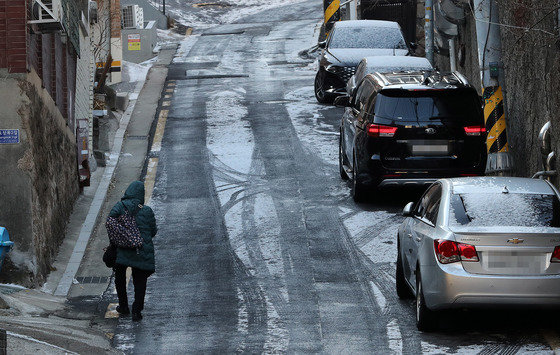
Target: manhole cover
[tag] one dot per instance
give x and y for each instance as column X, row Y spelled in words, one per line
column 211, row 4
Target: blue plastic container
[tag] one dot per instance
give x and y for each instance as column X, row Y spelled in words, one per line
column 5, row 244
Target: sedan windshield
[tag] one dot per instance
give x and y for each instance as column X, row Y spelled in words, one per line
column 493, row 209
column 367, row 37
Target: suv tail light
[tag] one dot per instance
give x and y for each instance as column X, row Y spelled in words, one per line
column 374, row 130
column 448, row 251
column 475, row 130
column 555, row 255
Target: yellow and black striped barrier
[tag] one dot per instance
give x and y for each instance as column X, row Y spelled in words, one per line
column 332, row 14
column 495, row 120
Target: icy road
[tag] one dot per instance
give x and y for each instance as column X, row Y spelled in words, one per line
column 260, row 247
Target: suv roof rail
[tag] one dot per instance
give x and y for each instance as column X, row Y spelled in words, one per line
column 426, row 77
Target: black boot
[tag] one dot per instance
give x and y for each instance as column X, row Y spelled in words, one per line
column 136, row 316
column 123, row 311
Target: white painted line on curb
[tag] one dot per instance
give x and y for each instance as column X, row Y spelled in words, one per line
column 100, row 194
column 150, row 179
column 395, row 337
column 28, row 338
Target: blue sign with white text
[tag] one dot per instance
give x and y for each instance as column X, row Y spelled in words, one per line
column 9, row 136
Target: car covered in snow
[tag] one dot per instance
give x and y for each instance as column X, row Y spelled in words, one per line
column 386, row 64
column 347, row 44
column 480, row 241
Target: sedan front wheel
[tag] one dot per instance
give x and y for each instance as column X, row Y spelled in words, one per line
column 320, row 86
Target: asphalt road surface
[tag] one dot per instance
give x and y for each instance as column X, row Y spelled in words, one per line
column 260, row 247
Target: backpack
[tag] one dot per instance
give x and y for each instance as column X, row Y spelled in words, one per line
column 123, row 231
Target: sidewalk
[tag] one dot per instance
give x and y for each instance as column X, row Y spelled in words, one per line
column 64, row 316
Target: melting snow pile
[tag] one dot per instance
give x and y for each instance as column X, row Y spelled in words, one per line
column 199, row 14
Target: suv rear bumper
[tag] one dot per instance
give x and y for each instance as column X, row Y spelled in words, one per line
column 377, row 175
column 406, row 182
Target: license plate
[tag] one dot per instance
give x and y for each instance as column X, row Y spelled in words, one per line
column 430, row 149
column 515, row 263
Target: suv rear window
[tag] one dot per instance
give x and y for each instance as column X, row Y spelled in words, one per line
column 460, row 106
column 492, row 209
column 367, row 37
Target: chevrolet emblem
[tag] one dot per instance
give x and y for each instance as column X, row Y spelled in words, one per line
column 515, row 240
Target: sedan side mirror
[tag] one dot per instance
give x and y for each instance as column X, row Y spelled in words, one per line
column 342, row 101
column 407, row 210
column 322, row 45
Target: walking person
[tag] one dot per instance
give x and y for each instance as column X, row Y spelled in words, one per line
column 141, row 260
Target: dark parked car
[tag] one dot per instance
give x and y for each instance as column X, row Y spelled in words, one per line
column 410, row 129
column 348, row 43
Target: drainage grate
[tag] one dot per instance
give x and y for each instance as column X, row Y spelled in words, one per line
column 92, row 279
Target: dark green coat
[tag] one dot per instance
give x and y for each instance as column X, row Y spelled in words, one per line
column 142, row 258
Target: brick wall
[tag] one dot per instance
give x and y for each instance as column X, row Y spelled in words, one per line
column 13, row 35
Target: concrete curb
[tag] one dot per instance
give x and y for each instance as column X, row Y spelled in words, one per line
column 95, row 208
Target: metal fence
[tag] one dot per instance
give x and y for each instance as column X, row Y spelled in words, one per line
column 401, row 11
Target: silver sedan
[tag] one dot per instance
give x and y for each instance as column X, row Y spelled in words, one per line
column 483, row 241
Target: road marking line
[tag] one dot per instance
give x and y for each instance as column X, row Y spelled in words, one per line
column 150, row 179
column 170, row 90
column 552, row 339
column 160, row 129
column 166, row 103
column 167, row 96
column 395, row 337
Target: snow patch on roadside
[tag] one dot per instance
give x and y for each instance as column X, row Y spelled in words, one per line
column 186, row 14
column 133, row 72
column 185, row 48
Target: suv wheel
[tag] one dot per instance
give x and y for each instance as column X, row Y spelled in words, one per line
column 359, row 190
column 320, row 94
column 426, row 319
column 403, row 291
column 341, row 160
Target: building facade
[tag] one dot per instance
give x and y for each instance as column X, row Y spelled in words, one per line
column 46, row 85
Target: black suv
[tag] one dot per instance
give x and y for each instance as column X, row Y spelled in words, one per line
column 348, row 43
column 410, row 129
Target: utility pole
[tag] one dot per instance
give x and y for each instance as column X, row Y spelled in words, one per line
column 353, row 9
column 491, row 76
column 429, row 31
column 164, row 7
column 452, row 55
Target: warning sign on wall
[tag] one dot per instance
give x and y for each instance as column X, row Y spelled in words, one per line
column 134, row 42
